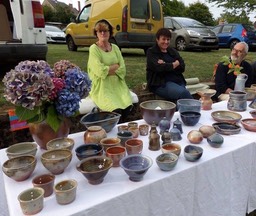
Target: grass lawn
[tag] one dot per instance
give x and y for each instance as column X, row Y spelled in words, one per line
column 198, row 64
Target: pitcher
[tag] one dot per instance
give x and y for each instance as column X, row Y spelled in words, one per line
column 240, row 82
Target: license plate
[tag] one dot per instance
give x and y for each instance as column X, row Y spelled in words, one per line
column 210, row 40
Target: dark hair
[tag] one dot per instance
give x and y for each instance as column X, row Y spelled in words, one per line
column 163, row 32
column 103, row 24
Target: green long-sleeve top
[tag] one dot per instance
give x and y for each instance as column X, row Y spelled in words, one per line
column 109, row 92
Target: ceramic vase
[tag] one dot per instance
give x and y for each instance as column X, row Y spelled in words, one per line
column 42, row 133
column 164, row 125
column 94, row 134
column 240, row 82
column 237, row 101
column 206, row 98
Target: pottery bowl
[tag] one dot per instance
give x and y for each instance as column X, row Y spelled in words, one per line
column 88, row 150
column 215, row 140
column 95, row 168
column 124, row 136
column 107, row 120
column 249, row 124
column 65, row 191
column 45, row 181
column 190, row 118
column 251, row 93
column 116, row 153
column 171, row 148
column 227, row 128
column 20, row 149
column 19, row 168
column 136, row 166
column 153, row 111
column 186, row 105
column 193, row 153
column 134, row 146
column 253, row 113
column 31, row 200
column 61, row 143
column 167, row 161
column 56, row 161
column 109, row 142
column 226, row 116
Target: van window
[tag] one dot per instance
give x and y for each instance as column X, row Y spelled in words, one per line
column 156, row 10
column 140, row 9
column 84, row 15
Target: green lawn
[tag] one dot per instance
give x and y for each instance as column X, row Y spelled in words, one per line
column 198, row 64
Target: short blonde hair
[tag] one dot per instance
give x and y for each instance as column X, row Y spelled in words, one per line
column 103, row 25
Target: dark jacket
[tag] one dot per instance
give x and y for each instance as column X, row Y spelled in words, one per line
column 225, row 80
column 157, row 73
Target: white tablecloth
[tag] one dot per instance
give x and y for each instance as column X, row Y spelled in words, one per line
column 221, row 183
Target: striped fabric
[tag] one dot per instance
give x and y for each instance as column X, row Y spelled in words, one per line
column 15, row 123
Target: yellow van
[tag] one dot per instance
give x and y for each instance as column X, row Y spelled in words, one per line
column 135, row 23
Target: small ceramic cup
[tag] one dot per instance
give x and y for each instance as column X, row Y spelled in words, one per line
column 45, row 181
column 123, row 136
column 121, row 128
column 65, row 191
column 143, row 129
column 132, row 124
column 135, row 131
column 116, row 153
column 109, row 142
column 134, row 146
column 31, row 200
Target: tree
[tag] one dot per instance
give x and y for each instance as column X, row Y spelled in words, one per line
column 233, row 18
column 173, row 8
column 200, row 12
column 48, row 13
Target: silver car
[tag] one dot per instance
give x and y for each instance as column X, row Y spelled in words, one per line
column 54, row 34
column 188, row 33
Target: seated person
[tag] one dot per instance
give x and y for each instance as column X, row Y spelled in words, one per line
column 107, row 71
column 164, row 69
column 224, row 81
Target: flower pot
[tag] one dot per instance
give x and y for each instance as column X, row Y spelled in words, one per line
column 42, row 133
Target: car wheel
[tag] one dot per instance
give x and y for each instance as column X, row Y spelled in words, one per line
column 71, row 44
column 180, row 44
column 233, row 43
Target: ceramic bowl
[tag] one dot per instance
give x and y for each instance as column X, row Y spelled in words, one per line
column 134, row 146
column 88, row 150
column 116, row 153
column 65, row 191
column 171, row 148
column 153, row 111
column 31, row 200
column 167, row 161
column 107, row 120
column 249, row 124
column 190, row 118
column 193, row 153
column 136, row 166
column 20, row 149
column 226, row 128
column 251, row 93
column 226, row 116
column 186, row 105
column 56, row 161
column 253, row 113
column 215, row 140
column 109, row 142
column 45, row 181
column 95, row 168
column 123, row 136
column 61, row 143
column 19, row 168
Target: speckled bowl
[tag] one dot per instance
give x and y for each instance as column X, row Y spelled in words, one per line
column 61, row 143
column 167, row 161
column 20, row 149
column 19, row 168
column 171, row 148
column 88, row 150
column 193, row 153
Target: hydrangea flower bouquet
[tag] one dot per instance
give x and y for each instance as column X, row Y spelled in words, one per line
column 41, row 93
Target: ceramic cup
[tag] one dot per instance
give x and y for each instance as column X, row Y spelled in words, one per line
column 123, row 136
column 65, row 191
column 31, row 200
column 45, row 181
column 143, row 129
column 116, row 153
column 121, row 128
column 132, row 124
column 134, row 146
column 135, row 131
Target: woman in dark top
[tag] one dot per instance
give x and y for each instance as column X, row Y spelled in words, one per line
column 164, row 69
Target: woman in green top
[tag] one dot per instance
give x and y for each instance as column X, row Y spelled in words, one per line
column 107, row 71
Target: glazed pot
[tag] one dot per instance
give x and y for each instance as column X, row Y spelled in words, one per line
column 237, row 101
column 94, row 134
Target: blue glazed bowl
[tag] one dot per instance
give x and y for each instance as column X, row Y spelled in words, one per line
column 167, row 161
column 88, row 150
column 185, row 105
column 193, row 153
column 136, row 166
column 215, row 140
column 190, row 118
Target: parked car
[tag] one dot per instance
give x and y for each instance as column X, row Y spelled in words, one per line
column 188, row 33
column 54, row 34
column 232, row 33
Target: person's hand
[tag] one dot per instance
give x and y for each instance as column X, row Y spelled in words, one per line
column 160, row 61
column 113, row 68
column 175, row 64
column 228, row 90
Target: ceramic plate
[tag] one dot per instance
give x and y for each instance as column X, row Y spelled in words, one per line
column 226, row 116
column 226, row 128
column 249, row 124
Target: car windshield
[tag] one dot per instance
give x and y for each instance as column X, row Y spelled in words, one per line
column 52, row 29
column 185, row 22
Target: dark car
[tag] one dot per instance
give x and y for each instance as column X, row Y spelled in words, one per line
column 188, row 33
column 232, row 33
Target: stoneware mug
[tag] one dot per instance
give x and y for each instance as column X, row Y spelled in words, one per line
column 45, row 181
column 134, row 146
column 65, row 191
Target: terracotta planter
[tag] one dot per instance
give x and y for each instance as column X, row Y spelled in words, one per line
column 43, row 133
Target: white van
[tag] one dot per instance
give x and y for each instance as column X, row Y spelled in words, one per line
column 22, row 33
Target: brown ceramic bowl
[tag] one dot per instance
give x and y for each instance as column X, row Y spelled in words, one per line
column 171, row 148
column 116, row 153
column 153, row 111
column 19, row 168
column 134, row 146
column 20, row 149
column 56, row 161
column 226, row 116
column 95, row 168
column 45, row 181
column 249, row 124
column 109, row 142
